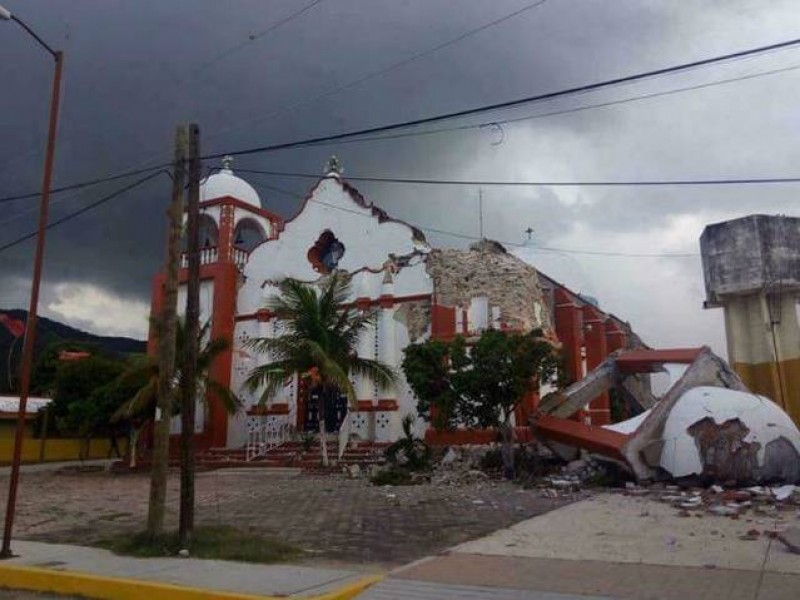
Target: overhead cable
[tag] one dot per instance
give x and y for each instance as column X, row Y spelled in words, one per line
column 85, row 209
column 383, row 71
column 512, row 103
column 84, row 184
column 543, row 183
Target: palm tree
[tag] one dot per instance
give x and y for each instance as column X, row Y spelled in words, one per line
column 141, row 407
column 319, row 343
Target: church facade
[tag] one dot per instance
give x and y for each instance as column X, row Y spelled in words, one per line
column 417, row 292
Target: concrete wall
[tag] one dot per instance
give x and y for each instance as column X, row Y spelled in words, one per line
column 751, row 268
column 750, row 254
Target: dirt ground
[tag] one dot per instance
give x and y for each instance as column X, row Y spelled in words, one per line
column 334, row 519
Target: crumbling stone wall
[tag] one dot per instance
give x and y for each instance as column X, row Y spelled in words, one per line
column 487, row 269
column 417, row 318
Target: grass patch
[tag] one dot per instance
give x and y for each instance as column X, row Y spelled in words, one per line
column 224, row 543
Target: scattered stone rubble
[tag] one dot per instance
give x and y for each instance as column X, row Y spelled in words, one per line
column 763, row 510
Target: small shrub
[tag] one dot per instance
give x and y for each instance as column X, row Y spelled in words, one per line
column 415, row 453
column 393, row 476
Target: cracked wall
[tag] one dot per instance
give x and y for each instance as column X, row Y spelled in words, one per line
column 487, row 269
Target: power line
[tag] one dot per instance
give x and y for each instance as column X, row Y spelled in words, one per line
column 496, row 183
column 383, row 71
column 252, row 38
column 341, row 138
column 85, row 209
column 566, row 111
column 504, row 242
column 512, row 103
column 84, row 184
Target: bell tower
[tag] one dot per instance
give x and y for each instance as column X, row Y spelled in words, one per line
column 232, row 224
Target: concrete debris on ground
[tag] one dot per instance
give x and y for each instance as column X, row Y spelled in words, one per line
column 791, row 539
column 766, row 510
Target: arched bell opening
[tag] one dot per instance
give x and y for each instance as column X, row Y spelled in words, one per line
column 247, row 235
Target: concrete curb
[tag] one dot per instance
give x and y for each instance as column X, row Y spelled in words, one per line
column 101, row 587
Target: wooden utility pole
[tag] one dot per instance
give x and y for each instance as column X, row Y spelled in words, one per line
column 191, row 348
column 166, row 329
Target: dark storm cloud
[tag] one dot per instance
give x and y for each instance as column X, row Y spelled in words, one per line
column 135, row 69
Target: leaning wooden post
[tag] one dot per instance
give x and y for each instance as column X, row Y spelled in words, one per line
column 166, row 327
column 191, row 349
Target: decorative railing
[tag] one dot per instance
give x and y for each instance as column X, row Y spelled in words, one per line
column 265, row 437
column 208, row 255
column 240, row 256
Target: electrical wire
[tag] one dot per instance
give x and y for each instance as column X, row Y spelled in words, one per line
column 504, row 242
column 566, row 111
column 513, row 103
column 85, row 209
column 490, row 183
column 252, row 38
column 383, row 71
column 343, row 138
column 89, row 183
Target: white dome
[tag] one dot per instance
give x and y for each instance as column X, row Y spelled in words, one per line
column 763, row 420
column 225, row 183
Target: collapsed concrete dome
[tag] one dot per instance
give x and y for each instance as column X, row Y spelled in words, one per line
column 728, row 435
column 707, row 425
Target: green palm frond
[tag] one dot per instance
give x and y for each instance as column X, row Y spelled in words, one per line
column 226, row 397
column 381, row 373
column 321, row 332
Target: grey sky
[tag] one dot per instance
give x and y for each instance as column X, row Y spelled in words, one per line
column 135, row 69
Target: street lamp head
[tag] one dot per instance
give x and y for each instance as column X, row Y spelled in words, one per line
column 5, row 14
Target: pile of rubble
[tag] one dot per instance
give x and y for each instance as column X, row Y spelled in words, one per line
column 461, row 466
column 770, row 511
column 736, row 503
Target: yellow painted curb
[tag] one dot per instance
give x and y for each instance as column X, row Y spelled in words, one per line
column 351, row 590
column 113, row 588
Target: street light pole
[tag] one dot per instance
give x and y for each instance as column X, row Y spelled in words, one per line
column 30, row 325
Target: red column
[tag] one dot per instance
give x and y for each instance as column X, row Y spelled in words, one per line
column 615, row 336
column 596, row 351
column 568, row 319
column 222, row 326
column 443, row 322
column 226, row 233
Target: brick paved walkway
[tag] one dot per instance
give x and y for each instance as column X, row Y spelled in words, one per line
column 336, row 519
column 589, row 578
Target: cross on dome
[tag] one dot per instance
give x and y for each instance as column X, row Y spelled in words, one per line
column 333, row 168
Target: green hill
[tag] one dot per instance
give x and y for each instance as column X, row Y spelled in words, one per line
column 52, row 332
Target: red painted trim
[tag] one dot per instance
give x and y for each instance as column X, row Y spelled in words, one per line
column 645, row 361
column 231, row 201
column 365, row 406
column 387, row 404
column 572, row 433
column 460, row 437
column 264, row 315
column 281, row 408
column 386, row 301
column 360, row 304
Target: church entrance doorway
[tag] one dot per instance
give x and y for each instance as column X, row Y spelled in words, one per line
column 335, row 409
